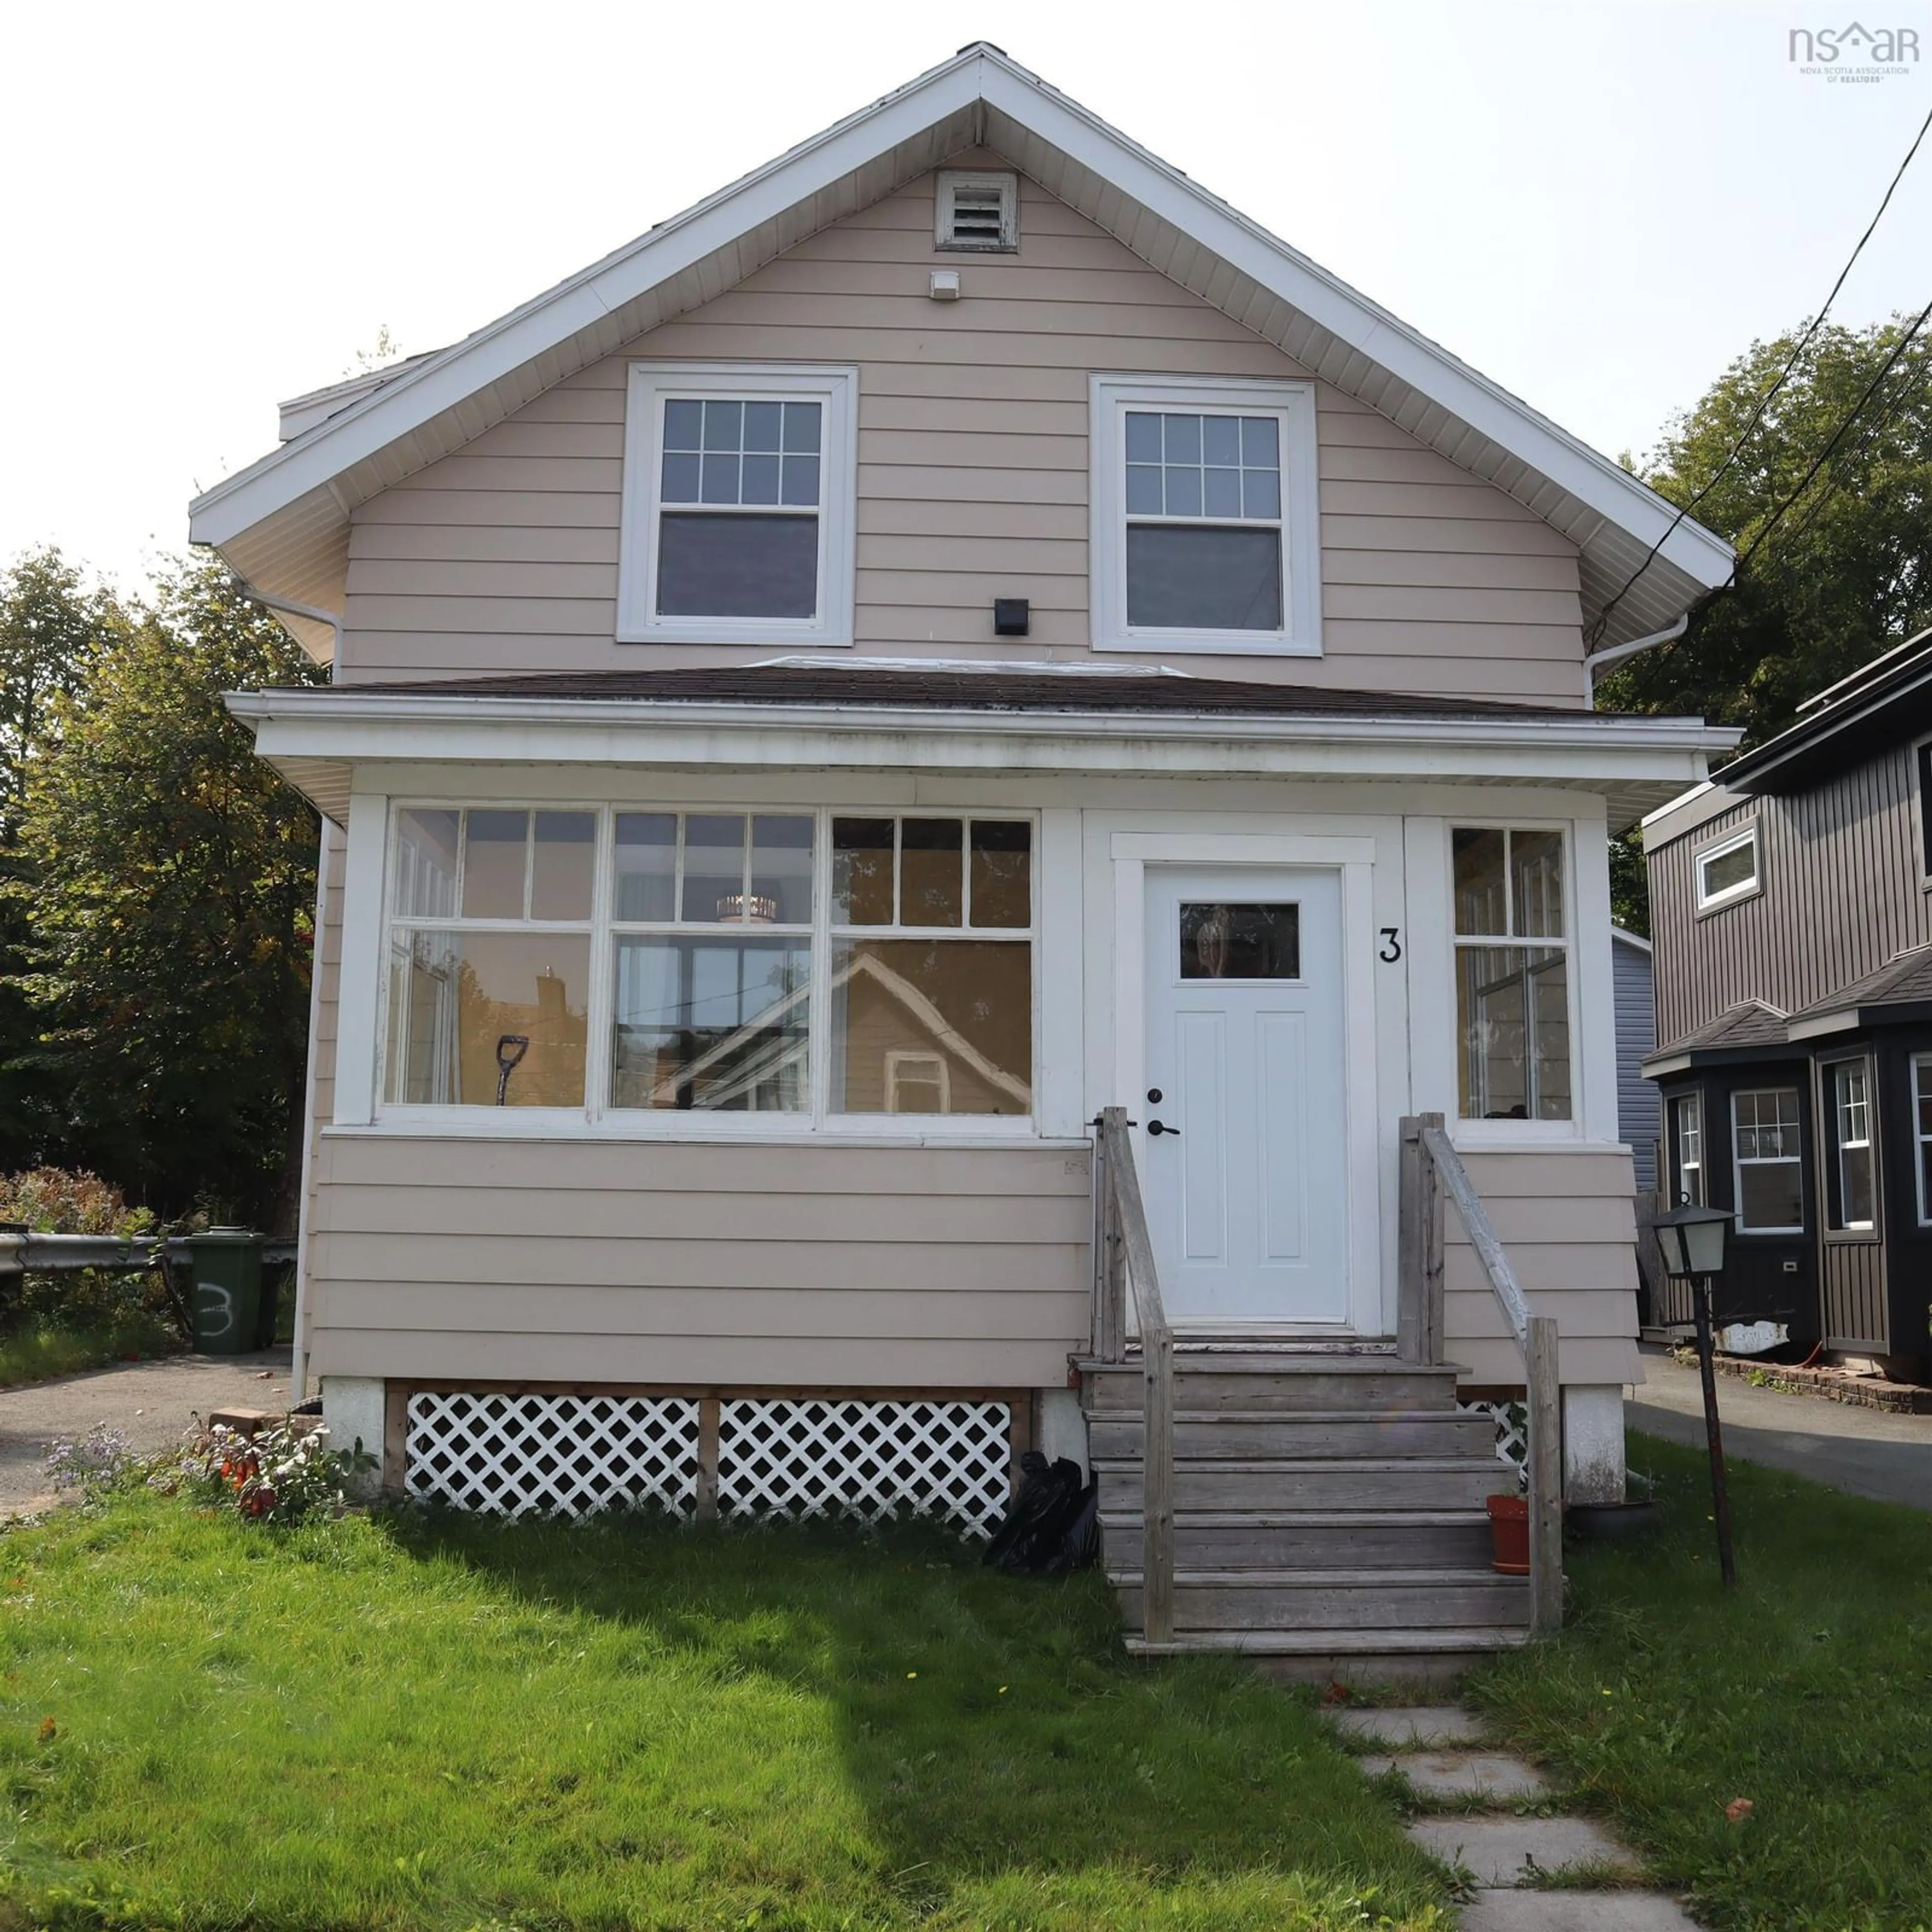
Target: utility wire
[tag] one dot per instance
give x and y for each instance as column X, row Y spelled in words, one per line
column 1770, row 395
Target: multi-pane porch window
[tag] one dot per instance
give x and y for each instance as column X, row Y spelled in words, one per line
column 798, row 964
column 1767, row 1161
column 1686, row 1134
column 489, row 959
column 1851, row 1135
column 1512, row 976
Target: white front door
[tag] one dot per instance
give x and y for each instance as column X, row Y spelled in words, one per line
column 1244, row 1137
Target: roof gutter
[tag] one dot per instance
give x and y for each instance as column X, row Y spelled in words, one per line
column 1599, row 661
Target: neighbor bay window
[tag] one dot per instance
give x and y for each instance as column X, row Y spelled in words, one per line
column 1767, row 1163
column 1512, row 976
column 1853, row 1193
column 801, row 966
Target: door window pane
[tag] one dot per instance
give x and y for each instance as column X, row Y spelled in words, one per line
column 1002, row 872
column 473, row 1015
column 646, row 855
column 862, row 872
column 967, row 1001
column 1205, row 578
column 562, row 860
column 1241, row 942
column 714, row 1024
column 1512, row 1021
column 496, row 851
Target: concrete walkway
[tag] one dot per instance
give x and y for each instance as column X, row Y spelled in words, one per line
column 1439, row 1751
column 150, row 1402
column 1865, row 1452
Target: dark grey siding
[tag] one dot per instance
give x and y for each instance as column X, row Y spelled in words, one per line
column 1637, row 1114
column 1843, row 895
column 1856, row 1314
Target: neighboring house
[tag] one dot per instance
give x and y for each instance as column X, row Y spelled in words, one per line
column 1638, row 1114
column 959, row 630
column 1791, row 906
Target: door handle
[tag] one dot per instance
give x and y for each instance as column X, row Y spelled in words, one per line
column 1155, row 1127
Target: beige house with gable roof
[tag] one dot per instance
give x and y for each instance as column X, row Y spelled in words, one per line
column 959, row 631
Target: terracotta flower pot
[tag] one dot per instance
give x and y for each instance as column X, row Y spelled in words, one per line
column 1509, row 1534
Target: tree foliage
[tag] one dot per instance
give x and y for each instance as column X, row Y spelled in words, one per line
column 169, row 907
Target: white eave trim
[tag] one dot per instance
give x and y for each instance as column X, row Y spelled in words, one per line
column 978, row 74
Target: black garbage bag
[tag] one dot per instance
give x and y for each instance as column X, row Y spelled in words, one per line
column 1053, row 1523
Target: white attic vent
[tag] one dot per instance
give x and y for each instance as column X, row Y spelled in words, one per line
column 977, row 211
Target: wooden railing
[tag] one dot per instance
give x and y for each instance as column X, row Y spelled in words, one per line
column 1432, row 1171
column 1123, row 1254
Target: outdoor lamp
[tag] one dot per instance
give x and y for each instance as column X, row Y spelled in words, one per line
column 1693, row 1241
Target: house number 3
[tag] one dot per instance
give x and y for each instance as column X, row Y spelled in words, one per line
column 1392, row 945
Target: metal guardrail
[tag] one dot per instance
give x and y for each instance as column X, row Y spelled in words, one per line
column 41, row 1254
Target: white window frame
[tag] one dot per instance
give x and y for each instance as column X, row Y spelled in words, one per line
column 817, row 1123
column 653, row 384
column 947, row 185
column 1922, row 1090
column 1921, row 821
column 1693, row 1103
column 1745, row 889
column 1837, row 1221
column 1738, row 1163
column 1109, row 399
column 1476, row 1129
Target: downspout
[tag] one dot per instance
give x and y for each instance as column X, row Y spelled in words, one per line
column 1600, row 661
column 298, row 1362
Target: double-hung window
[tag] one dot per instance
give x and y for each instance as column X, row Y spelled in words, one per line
column 1206, row 534
column 1853, row 1192
column 1512, row 976
column 1921, row 1128
column 1767, row 1163
column 1728, row 870
column 1686, row 1136
column 807, row 966
column 737, row 509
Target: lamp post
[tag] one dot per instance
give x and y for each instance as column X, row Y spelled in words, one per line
column 1692, row 1240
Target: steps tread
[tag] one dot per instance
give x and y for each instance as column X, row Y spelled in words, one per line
column 1449, row 1638
column 1331, row 1579
column 1253, row 1362
column 1319, row 1519
column 1309, row 1416
column 1413, row 1466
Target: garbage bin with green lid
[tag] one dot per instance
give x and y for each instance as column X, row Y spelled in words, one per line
column 227, row 1263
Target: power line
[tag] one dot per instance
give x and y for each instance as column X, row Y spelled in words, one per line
column 1770, row 394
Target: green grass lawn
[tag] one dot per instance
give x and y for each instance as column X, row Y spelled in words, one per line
column 1808, row 1690
column 442, row 1723
column 37, row 1353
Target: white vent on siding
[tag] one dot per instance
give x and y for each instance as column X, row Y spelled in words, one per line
column 977, row 211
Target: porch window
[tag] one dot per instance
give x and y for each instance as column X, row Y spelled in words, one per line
column 1853, row 1194
column 1767, row 1161
column 737, row 495
column 1512, row 976
column 799, row 965
column 489, row 959
column 1922, row 1124
column 1686, row 1136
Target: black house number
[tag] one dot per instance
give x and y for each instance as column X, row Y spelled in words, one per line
column 1392, row 945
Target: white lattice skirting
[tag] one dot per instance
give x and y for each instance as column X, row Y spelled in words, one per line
column 1512, row 1422
column 552, row 1455
column 798, row 1456
column 572, row 1455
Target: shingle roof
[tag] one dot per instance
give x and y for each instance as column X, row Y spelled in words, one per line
column 1752, row 1023
column 1907, row 978
column 862, row 686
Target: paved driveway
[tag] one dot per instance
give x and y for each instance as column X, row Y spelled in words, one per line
column 1863, row 1451
column 151, row 1403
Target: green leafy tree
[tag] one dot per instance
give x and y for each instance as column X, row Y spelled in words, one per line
column 171, row 908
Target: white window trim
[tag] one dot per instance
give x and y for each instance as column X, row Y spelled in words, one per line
column 1674, row 1151
column 948, row 182
column 1922, row 1067
column 1746, row 889
column 1921, row 831
column 1475, row 1132
column 1109, row 397
column 650, row 384
column 597, row 1117
column 1837, row 1223
column 1738, row 1163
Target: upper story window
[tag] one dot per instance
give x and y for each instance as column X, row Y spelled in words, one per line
column 977, row 210
column 737, row 513
column 1512, row 976
column 1206, row 529
column 1767, row 1163
column 1728, row 870
column 1686, row 1136
column 1853, row 1192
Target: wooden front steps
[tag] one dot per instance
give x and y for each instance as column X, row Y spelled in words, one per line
column 1327, row 1507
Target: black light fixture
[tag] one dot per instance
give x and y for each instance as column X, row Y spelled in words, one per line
column 1692, row 1241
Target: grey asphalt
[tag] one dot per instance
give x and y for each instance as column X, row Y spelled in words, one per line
column 1865, row 1452
column 150, row 1402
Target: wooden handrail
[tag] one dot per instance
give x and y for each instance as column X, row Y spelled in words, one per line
column 1429, row 1156
column 1125, row 1254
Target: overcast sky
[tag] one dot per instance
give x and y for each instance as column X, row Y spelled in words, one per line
column 209, row 208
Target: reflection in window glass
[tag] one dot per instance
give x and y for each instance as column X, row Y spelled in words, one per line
column 717, row 1024
column 932, row 880
column 1241, row 942
column 487, row 1018
column 646, row 857
column 714, row 868
column 1536, row 884
column 1482, row 887
column 1002, row 872
column 862, row 872
column 496, row 851
column 1512, row 1021
column 1765, row 1152
column 563, row 858
column 968, row 1001
column 1851, row 1109
column 427, row 843
column 780, row 872
column 1731, row 868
